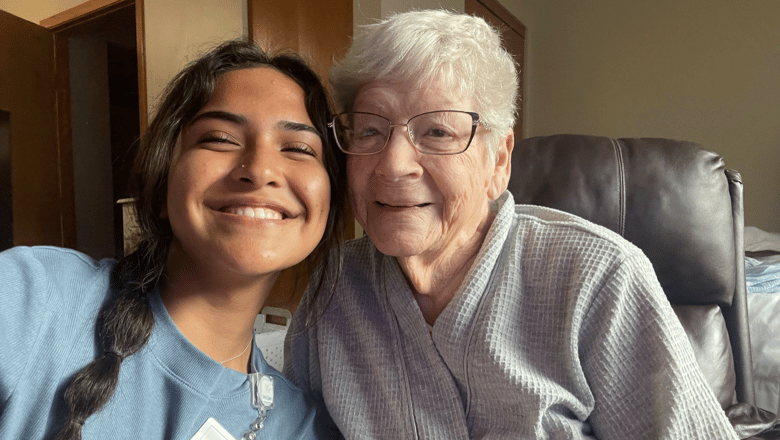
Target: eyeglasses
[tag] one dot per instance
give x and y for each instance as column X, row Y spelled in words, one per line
column 438, row 132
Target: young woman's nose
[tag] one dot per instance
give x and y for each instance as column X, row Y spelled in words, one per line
column 259, row 166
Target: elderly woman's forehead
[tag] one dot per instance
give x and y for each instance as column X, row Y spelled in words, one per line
column 446, row 89
column 446, row 76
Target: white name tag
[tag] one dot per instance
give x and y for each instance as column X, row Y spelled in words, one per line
column 212, row 430
column 267, row 391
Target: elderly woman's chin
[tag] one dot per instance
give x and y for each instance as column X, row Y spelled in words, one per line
column 430, row 230
column 396, row 241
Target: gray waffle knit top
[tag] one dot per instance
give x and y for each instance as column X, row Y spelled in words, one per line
column 559, row 331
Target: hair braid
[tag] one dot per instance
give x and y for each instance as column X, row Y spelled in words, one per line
column 124, row 326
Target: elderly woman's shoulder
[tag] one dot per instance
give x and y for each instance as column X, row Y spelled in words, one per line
column 565, row 225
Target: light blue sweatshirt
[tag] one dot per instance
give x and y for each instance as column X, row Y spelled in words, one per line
column 49, row 301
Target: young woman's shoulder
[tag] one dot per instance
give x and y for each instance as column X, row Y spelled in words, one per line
column 49, row 296
column 31, row 276
column 48, row 261
column 42, row 278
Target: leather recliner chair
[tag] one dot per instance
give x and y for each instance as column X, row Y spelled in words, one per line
column 681, row 206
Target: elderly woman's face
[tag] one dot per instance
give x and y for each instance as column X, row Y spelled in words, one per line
column 415, row 204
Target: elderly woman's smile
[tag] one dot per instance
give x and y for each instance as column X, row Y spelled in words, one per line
column 390, row 206
column 412, row 203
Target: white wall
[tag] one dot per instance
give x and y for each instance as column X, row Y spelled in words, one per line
column 706, row 71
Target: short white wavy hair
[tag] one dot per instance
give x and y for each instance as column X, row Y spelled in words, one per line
column 418, row 47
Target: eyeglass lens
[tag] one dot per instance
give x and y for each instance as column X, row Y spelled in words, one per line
column 438, row 132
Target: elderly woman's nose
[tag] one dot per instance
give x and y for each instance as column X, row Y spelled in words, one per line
column 399, row 157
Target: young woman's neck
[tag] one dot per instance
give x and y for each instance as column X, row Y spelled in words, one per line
column 215, row 313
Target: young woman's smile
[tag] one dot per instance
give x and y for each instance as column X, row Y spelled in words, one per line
column 248, row 191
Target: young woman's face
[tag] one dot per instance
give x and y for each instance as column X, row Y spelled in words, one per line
column 248, row 192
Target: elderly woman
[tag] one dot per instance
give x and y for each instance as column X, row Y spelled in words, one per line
column 462, row 314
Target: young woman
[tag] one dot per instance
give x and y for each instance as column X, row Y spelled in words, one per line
column 238, row 178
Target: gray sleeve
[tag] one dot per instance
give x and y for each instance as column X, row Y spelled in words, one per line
column 640, row 365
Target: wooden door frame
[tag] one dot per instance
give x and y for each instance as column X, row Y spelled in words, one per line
column 503, row 13
column 92, row 9
column 28, row 96
column 59, row 24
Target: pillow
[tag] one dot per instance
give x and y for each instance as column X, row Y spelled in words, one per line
column 757, row 240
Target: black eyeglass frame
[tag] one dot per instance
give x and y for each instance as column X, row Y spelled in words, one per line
column 475, row 121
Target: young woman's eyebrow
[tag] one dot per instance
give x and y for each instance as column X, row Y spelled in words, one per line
column 218, row 114
column 242, row 120
column 297, row 126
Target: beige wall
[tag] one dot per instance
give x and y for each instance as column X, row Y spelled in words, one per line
column 178, row 30
column 37, row 10
column 707, row 71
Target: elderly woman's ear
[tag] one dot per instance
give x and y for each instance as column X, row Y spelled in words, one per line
column 503, row 167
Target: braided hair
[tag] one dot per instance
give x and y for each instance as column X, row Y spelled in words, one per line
column 125, row 324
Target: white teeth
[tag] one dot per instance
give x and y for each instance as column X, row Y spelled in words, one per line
column 260, row 213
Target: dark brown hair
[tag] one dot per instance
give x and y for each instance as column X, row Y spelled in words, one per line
column 125, row 324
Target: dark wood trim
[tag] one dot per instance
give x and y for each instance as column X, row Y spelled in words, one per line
column 27, row 93
column 503, row 13
column 82, row 13
column 140, row 47
column 319, row 31
column 65, row 142
column 60, row 24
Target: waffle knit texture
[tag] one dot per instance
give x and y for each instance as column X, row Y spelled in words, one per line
column 559, row 331
column 49, row 300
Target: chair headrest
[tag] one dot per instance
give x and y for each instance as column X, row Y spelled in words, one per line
column 670, row 198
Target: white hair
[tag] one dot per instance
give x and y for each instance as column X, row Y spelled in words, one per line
column 419, row 47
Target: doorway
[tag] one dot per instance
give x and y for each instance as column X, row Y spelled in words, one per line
column 98, row 112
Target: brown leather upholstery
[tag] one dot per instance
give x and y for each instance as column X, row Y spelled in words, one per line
column 676, row 202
